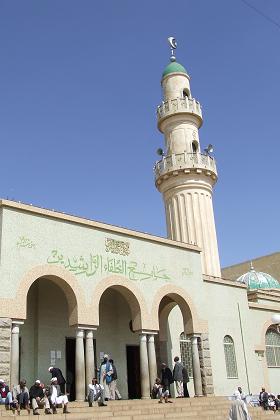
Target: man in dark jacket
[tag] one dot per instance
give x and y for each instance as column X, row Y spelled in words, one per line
column 263, row 399
column 166, row 377
column 178, row 377
column 186, row 379
column 38, row 398
column 56, row 373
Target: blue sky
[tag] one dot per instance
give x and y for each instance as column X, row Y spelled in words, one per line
column 79, row 86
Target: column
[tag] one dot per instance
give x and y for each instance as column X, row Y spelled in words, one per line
column 15, row 355
column 152, row 360
column 196, row 367
column 80, row 366
column 90, row 365
column 144, row 367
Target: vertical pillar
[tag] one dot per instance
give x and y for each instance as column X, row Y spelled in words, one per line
column 15, row 355
column 152, row 360
column 80, row 366
column 144, row 367
column 196, row 367
column 90, row 365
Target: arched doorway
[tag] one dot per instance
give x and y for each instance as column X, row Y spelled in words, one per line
column 51, row 303
column 117, row 336
column 176, row 338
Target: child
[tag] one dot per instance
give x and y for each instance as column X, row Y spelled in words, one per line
column 159, row 391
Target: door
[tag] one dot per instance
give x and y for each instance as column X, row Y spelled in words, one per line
column 133, row 372
column 70, row 367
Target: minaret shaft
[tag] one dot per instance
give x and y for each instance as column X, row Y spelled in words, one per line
column 185, row 176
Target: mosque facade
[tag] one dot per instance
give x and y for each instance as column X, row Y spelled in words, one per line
column 73, row 289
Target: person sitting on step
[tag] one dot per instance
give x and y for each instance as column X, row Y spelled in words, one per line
column 56, row 397
column 38, row 398
column 160, row 391
column 5, row 395
column 96, row 393
column 20, row 397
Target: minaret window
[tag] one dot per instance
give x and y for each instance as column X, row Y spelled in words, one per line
column 194, row 146
column 186, row 93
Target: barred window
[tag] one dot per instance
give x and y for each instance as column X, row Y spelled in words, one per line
column 272, row 343
column 230, row 358
column 186, row 353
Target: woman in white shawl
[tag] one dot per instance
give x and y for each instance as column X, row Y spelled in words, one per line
column 238, row 409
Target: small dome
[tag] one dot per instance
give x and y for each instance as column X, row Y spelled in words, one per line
column 174, row 67
column 258, row 280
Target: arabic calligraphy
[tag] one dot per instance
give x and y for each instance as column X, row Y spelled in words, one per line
column 186, row 272
column 24, row 242
column 117, row 247
column 97, row 264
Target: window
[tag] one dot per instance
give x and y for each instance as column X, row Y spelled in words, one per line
column 186, row 353
column 231, row 365
column 186, row 93
column 194, row 146
column 272, row 343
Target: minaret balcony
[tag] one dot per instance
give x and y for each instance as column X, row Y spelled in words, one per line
column 186, row 163
column 179, row 106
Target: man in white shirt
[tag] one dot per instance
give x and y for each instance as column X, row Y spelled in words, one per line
column 56, row 397
column 96, row 393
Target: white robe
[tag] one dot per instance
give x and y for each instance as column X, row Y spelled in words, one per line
column 238, row 411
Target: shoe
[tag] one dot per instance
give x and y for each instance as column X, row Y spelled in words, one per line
column 160, row 402
column 90, row 404
column 101, row 404
column 36, row 413
column 54, row 410
column 170, row 402
column 65, row 411
column 48, row 411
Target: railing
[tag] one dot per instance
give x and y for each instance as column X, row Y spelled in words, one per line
column 179, row 161
column 173, row 106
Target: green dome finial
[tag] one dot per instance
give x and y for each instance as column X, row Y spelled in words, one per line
column 174, row 67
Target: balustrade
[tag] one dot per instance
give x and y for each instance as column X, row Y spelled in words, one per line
column 185, row 161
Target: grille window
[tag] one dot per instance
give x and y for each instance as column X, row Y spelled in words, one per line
column 186, row 353
column 230, row 358
column 272, row 343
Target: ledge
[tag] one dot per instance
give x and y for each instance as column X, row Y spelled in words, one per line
column 93, row 224
column 223, row 282
column 253, row 305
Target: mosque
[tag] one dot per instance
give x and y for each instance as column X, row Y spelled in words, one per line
column 73, row 289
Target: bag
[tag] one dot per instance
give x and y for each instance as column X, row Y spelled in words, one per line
column 108, row 379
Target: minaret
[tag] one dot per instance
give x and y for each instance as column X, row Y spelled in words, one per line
column 184, row 175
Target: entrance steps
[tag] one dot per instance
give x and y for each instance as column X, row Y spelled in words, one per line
column 211, row 408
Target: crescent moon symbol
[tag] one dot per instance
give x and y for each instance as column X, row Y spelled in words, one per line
column 172, row 41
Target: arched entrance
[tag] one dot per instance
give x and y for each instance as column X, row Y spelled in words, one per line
column 180, row 332
column 117, row 336
column 51, row 304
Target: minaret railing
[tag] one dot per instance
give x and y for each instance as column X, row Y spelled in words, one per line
column 177, row 105
column 180, row 161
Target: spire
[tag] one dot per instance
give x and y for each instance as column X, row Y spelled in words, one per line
column 173, row 45
column 251, row 266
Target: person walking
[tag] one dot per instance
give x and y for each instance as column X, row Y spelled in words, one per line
column 105, row 375
column 56, row 373
column 178, row 377
column 113, row 384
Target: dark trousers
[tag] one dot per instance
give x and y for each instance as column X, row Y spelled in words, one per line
column 186, row 392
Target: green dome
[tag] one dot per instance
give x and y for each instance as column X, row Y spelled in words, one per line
column 258, row 280
column 174, row 67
